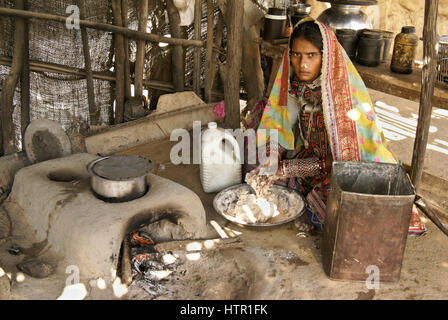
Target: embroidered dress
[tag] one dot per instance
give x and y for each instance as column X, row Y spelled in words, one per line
column 345, row 127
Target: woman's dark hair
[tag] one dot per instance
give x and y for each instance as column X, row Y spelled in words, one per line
column 310, row 32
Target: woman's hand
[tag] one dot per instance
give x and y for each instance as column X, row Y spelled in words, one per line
column 272, row 167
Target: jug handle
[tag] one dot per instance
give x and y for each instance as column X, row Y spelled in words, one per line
column 230, row 138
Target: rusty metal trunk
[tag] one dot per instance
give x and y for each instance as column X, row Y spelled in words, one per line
column 368, row 215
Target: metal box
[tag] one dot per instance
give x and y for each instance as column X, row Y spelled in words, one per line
column 368, row 214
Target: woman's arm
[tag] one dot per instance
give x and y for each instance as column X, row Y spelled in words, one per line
column 302, row 168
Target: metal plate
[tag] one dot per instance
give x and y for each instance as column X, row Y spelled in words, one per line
column 122, row 167
column 275, row 221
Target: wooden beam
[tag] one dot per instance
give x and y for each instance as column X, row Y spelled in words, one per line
column 251, row 69
column 41, row 67
column 231, row 71
column 94, row 113
column 209, row 62
column 430, row 39
column 25, row 83
column 177, row 54
column 9, row 85
column 119, row 65
column 127, row 67
column 200, row 245
column 141, row 48
column 197, row 51
column 45, row 67
column 102, row 26
column 218, row 44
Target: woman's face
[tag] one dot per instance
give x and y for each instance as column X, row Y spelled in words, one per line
column 306, row 60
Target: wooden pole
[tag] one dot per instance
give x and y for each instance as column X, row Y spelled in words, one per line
column 141, row 49
column 209, row 63
column 133, row 34
column 37, row 66
column 93, row 111
column 127, row 68
column 25, row 82
column 231, row 71
column 119, row 64
column 430, row 39
column 197, row 51
column 9, row 85
column 251, row 69
column 218, row 45
column 177, row 55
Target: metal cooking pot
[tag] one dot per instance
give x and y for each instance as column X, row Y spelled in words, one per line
column 119, row 178
column 342, row 16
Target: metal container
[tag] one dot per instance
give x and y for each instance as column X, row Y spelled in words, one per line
column 343, row 16
column 119, row 178
column 348, row 39
column 370, row 48
column 298, row 12
column 388, row 38
column 405, row 49
column 366, row 226
column 222, row 200
column 442, row 62
column 274, row 24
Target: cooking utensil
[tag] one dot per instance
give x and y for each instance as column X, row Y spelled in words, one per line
column 119, row 178
column 274, row 221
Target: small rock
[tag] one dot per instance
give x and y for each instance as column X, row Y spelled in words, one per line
column 36, row 269
column 5, row 288
column 14, row 250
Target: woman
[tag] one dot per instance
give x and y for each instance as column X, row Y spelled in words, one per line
column 322, row 113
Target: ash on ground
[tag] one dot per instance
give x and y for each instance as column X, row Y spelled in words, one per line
column 182, row 275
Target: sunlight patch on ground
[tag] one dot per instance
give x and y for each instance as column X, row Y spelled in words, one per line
column 74, row 292
column 397, row 127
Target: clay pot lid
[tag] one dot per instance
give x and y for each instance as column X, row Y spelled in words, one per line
column 346, row 32
column 122, row 167
column 372, row 34
column 45, row 140
column 443, row 39
column 408, row 29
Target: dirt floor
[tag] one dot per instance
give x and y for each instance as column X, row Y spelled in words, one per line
column 281, row 263
column 275, row 263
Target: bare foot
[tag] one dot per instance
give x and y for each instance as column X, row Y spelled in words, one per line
column 303, row 224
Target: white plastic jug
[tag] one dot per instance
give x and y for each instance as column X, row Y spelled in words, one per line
column 220, row 165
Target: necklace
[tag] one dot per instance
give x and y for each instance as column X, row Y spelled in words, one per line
column 302, row 104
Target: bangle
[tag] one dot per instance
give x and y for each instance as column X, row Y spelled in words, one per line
column 301, row 168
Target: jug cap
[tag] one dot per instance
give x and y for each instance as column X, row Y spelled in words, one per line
column 408, row 29
column 212, row 125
